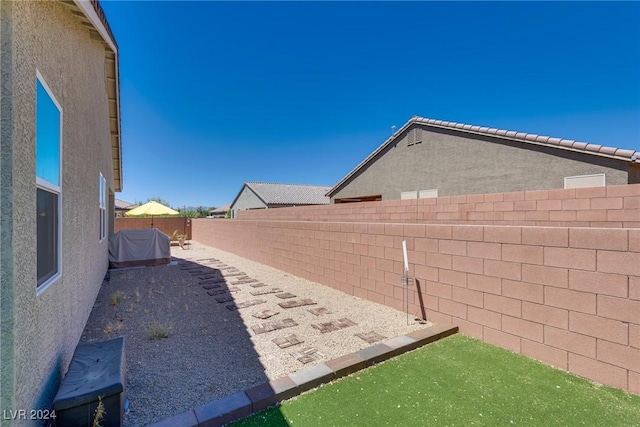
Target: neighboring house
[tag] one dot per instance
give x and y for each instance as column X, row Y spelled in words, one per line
column 220, row 212
column 121, row 207
column 430, row 158
column 59, row 168
column 263, row 195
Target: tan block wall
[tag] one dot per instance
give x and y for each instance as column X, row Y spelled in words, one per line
column 612, row 206
column 47, row 37
column 569, row 297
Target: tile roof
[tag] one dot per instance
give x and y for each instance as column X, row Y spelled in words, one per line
column 221, row 209
column 290, row 194
column 527, row 138
column 122, row 204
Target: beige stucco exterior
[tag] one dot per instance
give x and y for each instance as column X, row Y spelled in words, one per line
column 457, row 162
column 40, row 332
column 247, row 199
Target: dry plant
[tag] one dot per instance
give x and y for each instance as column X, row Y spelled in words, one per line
column 186, row 307
column 138, row 298
column 111, row 329
column 157, row 330
column 116, row 298
column 98, row 415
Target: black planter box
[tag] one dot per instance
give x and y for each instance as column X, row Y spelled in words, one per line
column 96, row 373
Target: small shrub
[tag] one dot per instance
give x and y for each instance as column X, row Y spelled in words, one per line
column 116, row 298
column 111, row 329
column 108, row 330
column 157, row 330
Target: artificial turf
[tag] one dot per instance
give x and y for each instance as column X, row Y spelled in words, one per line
column 457, row 381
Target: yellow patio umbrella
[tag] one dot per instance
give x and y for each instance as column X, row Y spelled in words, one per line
column 152, row 208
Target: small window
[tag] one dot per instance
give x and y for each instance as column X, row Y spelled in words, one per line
column 407, row 195
column 48, row 188
column 427, row 194
column 102, row 206
column 584, row 181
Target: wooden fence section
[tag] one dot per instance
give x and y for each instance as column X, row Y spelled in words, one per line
column 611, row 207
column 165, row 224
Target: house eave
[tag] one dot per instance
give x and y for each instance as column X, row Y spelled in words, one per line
column 91, row 14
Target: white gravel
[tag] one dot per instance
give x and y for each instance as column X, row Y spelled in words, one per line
column 212, row 351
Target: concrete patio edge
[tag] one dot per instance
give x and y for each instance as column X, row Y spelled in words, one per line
column 242, row 404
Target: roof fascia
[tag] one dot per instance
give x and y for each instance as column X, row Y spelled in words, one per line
column 87, row 8
column 255, row 191
column 89, row 11
column 369, row 158
column 246, row 185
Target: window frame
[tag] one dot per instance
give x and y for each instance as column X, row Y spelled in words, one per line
column 575, row 179
column 50, row 187
column 102, row 206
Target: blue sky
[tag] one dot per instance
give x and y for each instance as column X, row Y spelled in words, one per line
column 214, row 94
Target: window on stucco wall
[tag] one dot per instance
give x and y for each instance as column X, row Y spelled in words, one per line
column 48, row 187
column 102, row 197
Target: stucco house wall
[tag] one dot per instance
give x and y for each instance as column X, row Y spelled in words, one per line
column 247, row 200
column 456, row 162
column 40, row 332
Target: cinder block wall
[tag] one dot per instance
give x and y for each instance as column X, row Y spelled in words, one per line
column 566, row 296
column 613, row 206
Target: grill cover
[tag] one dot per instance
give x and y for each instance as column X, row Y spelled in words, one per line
column 132, row 248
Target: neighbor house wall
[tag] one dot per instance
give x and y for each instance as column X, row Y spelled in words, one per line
column 46, row 328
column 247, row 200
column 458, row 163
column 568, row 296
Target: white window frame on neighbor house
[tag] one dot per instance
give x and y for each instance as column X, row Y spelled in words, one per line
column 428, row 194
column 408, row 195
column 42, row 184
column 102, row 204
column 585, row 181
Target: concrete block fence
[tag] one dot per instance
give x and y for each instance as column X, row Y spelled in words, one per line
column 611, row 207
column 569, row 297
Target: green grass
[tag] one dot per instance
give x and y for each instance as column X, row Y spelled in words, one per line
column 458, row 381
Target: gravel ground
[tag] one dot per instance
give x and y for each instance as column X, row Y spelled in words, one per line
column 212, row 351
